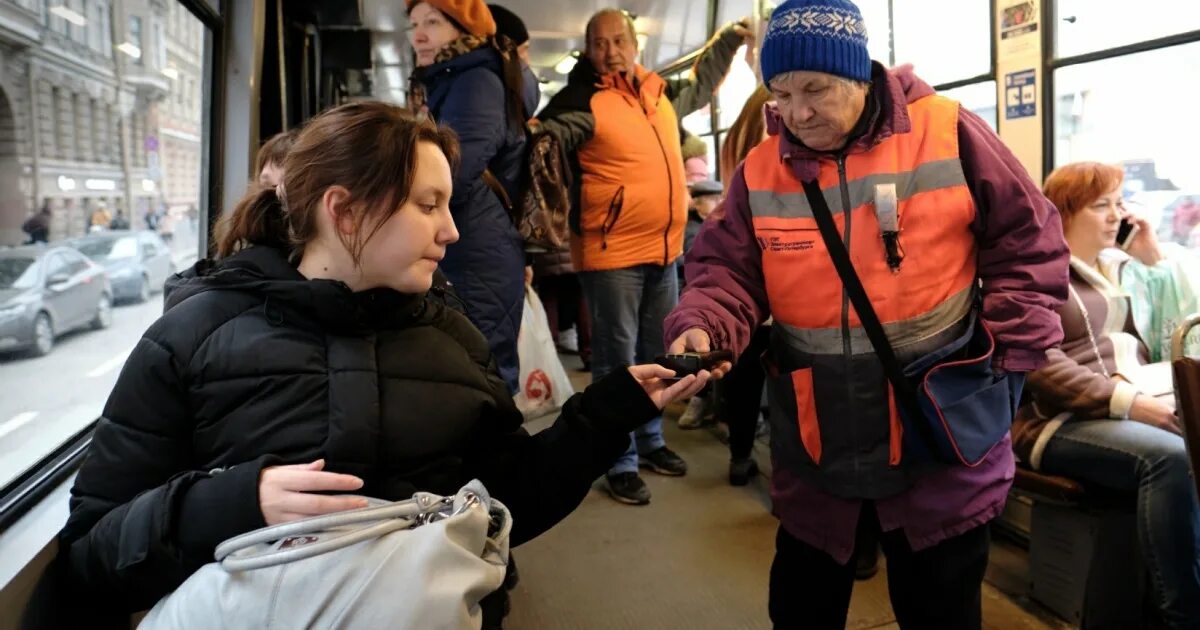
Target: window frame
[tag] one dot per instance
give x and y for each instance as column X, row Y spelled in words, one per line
column 137, row 37
column 1051, row 64
column 25, row 491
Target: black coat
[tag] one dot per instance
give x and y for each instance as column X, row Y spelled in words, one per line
column 252, row 365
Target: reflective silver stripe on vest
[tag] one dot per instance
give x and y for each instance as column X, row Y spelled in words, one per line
column 928, row 176
column 904, row 335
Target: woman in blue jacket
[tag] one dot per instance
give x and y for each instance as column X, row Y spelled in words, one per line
column 470, row 81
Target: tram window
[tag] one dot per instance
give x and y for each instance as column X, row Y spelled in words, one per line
column 737, row 87
column 734, row 10
column 1135, row 110
column 1085, row 26
column 979, row 98
column 698, row 122
column 669, row 39
column 49, row 393
column 876, row 14
column 926, row 43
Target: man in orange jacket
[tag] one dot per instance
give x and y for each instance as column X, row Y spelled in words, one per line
column 619, row 122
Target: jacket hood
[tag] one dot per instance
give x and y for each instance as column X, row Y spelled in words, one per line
column 584, row 73
column 484, row 57
column 266, row 271
column 892, row 90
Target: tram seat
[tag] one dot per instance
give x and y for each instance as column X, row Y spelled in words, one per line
column 1084, row 562
column 1049, row 488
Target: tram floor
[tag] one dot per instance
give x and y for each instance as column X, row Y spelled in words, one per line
column 698, row 557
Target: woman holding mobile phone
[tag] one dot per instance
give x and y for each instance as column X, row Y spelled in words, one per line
column 1102, row 410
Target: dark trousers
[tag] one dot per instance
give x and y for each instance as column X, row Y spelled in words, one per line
column 932, row 589
column 740, row 393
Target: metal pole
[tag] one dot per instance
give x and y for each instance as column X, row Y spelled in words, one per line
column 281, row 37
column 35, row 130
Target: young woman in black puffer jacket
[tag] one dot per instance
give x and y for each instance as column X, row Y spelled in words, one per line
column 281, row 374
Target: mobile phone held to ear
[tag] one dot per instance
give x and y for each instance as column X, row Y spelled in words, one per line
column 1126, row 233
column 688, row 363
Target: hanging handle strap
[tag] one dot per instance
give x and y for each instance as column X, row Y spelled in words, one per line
column 387, row 518
column 903, row 389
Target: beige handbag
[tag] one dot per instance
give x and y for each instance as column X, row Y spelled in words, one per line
column 421, row 563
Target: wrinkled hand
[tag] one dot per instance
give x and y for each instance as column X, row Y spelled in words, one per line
column 696, row 340
column 663, row 392
column 286, row 493
column 1152, row 411
column 528, row 275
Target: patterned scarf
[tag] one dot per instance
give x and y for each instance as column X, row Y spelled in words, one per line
column 461, row 46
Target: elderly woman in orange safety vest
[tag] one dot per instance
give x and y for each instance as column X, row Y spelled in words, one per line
column 951, row 240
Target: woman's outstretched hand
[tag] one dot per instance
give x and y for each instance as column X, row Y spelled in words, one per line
column 655, row 380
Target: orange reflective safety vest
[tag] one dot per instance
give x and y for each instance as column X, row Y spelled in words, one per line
column 833, row 415
column 633, row 197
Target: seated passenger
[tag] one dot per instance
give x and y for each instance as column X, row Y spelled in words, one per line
column 1097, row 411
column 281, row 374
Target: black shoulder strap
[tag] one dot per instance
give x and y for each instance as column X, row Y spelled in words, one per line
column 905, row 395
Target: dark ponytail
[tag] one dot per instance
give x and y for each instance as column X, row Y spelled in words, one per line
column 258, row 219
column 514, row 83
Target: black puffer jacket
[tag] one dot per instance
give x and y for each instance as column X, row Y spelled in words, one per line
column 253, row 365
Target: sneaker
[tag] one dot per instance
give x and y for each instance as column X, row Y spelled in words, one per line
column 694, row 416
column 568, row 341
column 629, row 488
column 741, row 471
column 664, row 461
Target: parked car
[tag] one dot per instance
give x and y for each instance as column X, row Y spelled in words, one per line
column 138, row 263
column 48, row 291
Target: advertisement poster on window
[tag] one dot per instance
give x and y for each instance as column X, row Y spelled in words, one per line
column 1018, row 26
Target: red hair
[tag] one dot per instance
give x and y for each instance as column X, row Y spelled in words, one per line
column 747, row 132
column 1073, row 187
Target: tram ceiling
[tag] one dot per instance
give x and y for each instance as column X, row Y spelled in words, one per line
column 667, row 29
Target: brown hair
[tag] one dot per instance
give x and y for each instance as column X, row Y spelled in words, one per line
column 1076, row 186
column 274, row 150
column 746, row 133
column 368, row 148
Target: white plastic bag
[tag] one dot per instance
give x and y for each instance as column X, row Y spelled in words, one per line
column 544, row 383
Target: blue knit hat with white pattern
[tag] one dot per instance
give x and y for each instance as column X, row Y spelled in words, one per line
column 817, row 35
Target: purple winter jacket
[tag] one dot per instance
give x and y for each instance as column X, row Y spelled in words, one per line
column 1022, row 262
